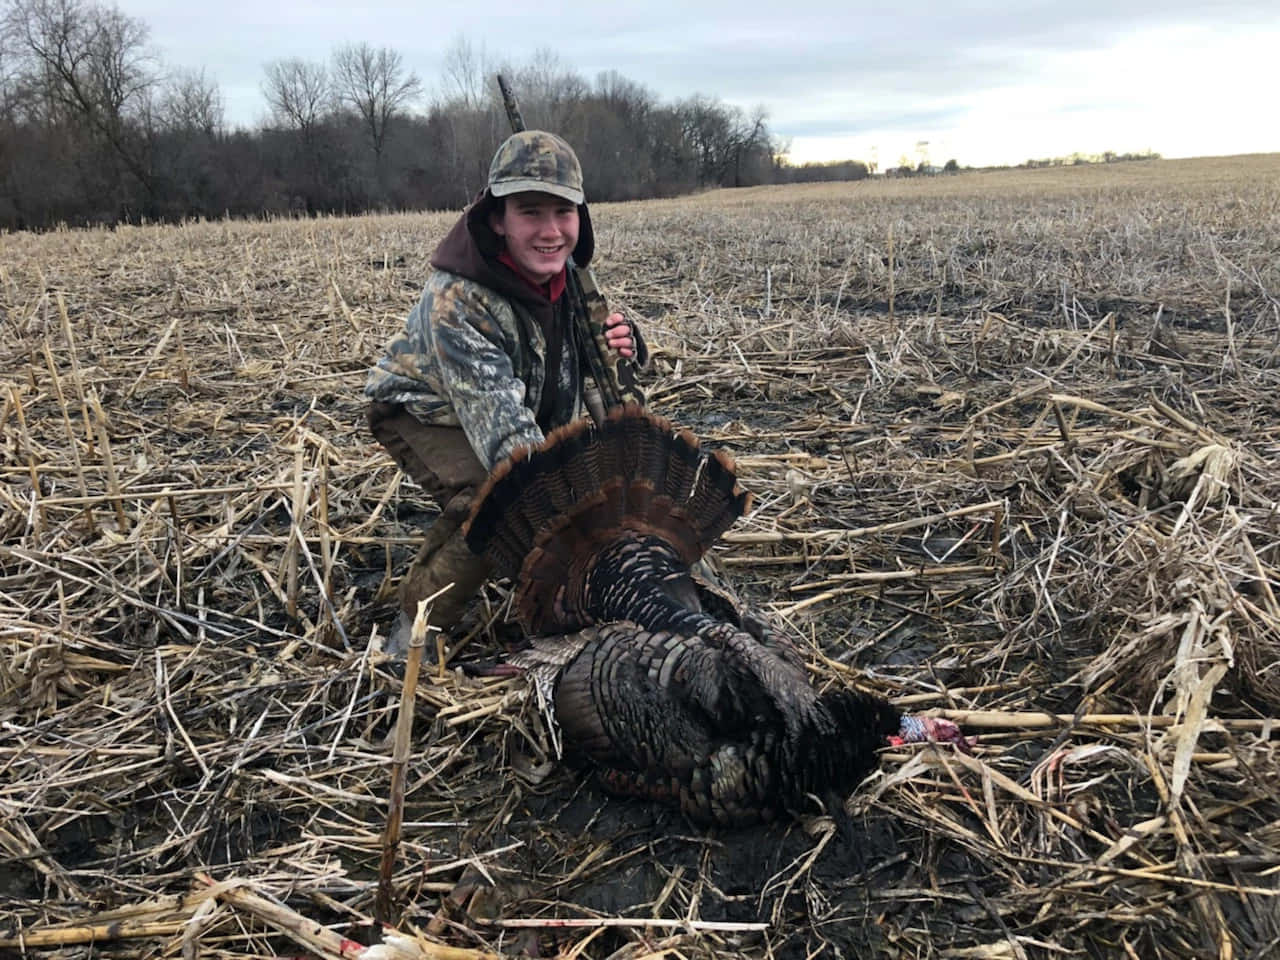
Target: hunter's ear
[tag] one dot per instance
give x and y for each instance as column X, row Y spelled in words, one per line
column 495, row 223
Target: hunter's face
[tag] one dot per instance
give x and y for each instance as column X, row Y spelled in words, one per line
column 541, row 231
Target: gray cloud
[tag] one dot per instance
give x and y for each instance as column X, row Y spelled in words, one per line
column 820, row 68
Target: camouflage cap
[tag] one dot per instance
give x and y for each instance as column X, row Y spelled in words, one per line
column 536, row 160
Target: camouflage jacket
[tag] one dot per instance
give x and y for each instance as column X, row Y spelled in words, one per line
column 474, row 350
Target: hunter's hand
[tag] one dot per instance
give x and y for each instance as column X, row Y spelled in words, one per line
column 617, row 333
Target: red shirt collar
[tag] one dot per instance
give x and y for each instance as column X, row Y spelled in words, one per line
column 552, row 290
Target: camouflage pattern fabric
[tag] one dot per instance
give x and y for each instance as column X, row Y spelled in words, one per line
column 536, row 160
column 469, row 357
column 611, row 374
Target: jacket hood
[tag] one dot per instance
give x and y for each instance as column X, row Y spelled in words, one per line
column 470, row 249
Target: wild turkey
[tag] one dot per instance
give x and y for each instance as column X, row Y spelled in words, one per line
column 662, row 682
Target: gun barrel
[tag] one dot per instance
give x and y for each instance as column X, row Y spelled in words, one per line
column 513, row 108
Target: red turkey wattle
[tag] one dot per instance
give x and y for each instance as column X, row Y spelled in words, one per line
column 917, row 729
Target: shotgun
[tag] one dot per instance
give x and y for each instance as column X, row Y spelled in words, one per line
column 614, row 374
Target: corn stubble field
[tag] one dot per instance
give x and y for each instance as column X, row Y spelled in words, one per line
column 1014, row 439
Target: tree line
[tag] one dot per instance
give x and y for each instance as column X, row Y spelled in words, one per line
column 1077, row 159
column 95, row 129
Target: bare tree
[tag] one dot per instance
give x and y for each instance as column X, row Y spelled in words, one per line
column 298, row 92
column 92, row 65
column 707, row 129
column 465, row 74
column 631, row 101
column 22, row 97
column 8, row 130
column 467, row 112
column 375, row 84
column 192, row 102
column 10, row 87
column 617, row 139
column 551, row 94
column 187, row 126
column 751, row 147
column 8, row 71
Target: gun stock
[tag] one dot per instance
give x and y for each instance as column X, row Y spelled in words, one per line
column 614, row 375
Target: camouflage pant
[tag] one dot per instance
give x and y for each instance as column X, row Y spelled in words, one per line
column 442, row 462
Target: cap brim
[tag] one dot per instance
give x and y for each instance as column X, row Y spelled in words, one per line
column 505, row 188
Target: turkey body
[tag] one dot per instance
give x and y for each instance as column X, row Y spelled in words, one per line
column 663, row 683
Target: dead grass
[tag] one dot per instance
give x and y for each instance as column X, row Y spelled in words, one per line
column 1014, row 442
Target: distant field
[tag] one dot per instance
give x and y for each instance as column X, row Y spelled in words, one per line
column 1015, row 441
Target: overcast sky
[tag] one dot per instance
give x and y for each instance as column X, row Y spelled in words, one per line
column 983, row 82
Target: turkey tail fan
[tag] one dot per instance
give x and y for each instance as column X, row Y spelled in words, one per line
column 569, row 462
column 548, row 481
column 717, row 500
column 550, row 577
column 526, row 492
column 682, row 466
column 507, row 535
column 635, row 443
column 546, row 511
